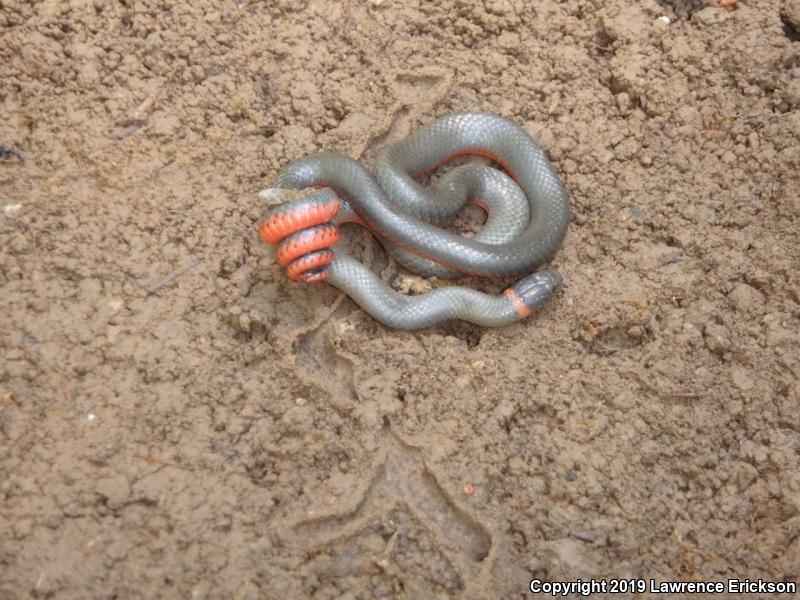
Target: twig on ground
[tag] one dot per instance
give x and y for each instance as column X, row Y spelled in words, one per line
column 162, row 283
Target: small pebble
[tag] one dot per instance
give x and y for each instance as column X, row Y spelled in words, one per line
column 623, row 100
column 742, row 380
column 717, row 339
column 582, row 535
column 745, row 298
column 670, row 258
column 636, row 332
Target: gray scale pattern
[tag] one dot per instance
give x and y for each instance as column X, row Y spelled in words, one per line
column 528, row 218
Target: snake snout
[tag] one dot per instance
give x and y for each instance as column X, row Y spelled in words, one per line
column 304, row 232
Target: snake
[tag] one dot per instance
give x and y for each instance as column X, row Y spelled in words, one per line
column 526, row 204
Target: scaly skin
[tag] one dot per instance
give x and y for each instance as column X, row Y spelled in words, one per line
column 528, row 214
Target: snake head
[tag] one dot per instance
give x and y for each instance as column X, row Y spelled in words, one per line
column 531, row 291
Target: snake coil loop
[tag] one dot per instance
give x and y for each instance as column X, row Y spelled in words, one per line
column 527, row 216
column 304, row 231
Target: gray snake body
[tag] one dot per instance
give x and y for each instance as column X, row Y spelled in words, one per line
column 527, row 206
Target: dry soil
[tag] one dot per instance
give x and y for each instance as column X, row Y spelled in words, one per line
column 179, row 420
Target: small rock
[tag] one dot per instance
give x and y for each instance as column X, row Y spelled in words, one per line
column 623, row 102
column 164, row 125
column 624, row 401
column 670, row 258
column 584, row 536
column 791, row 13
column 22, row 528
column 745, row 298
column 118, row 549
column 115, row 489
column 89, row 76
column 509, row 41
column 627, row 25
column 779, row 332
column 745, row 474
column 742, row 379
column 298, row 418
column 649, row 453
column 717, row 339
column 753, row 452
column 84, row 333
column 791, row 93
column 636, row 332
column 689, row 115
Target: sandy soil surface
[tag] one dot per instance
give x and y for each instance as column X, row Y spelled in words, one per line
column 179, row 420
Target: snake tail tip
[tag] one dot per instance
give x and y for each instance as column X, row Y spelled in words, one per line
column 304, row 230
column 310, row 267
column 532, row 291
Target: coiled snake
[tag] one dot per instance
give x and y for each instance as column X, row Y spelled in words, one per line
column 526, row 204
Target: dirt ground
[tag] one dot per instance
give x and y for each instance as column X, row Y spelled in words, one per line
column 179, row 420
